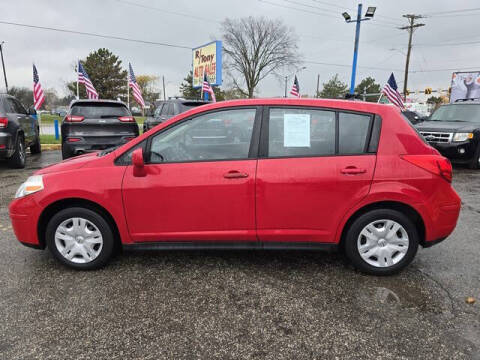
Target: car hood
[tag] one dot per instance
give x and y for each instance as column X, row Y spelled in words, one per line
column 69, row 164
column 447, row 126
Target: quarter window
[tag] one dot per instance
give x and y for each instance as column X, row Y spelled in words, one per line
column 353, row 131
column 299, row 132
column 219, row 135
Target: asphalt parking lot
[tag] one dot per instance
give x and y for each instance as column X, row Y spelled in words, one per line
column 249, row 305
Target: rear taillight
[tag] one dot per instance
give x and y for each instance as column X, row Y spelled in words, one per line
column 434, row 164
column 126, row 119
column 74, row 118
column 3, row 122
column 73, row 139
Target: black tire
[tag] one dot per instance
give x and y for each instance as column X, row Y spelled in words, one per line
column 17, row 160
column 36, row 147
column 353, row 233
column 66, row 153
column 475, row 163
column 93, row 217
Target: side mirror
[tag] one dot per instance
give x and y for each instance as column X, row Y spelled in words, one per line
column 32, row 111
column 138, row 163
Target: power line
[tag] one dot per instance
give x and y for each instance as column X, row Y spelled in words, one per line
column 131, row 3
column 451, row 11
column 348, row 66
column 95, row 35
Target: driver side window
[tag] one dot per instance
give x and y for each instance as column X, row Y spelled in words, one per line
column 220, row 135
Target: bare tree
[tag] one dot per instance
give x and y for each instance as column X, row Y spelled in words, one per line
column 257, row 47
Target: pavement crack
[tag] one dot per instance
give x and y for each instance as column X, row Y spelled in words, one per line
column 440, row 285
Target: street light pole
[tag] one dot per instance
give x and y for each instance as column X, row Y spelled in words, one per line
column 355, row 49
column 286, row 79
column 3, row 66
column 368, row 15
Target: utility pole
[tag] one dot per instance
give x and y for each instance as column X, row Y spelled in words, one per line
column 286, row 79
column 411, row 27
column 3, row 66
column 318, row 86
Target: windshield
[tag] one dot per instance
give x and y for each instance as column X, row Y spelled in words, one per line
column 457, row 112
column 99, row 111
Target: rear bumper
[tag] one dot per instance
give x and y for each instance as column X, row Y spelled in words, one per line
column 90, row 144
column 6, row 145
column 443, row 221
column 24, row 215
column 458, row 152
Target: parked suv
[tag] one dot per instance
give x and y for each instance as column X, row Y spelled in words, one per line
column 92, row 125
column 169, row 108
column 454, row 130
column 18, row 130
column 303, row 174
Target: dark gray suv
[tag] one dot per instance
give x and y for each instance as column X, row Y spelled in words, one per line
column 169, row 108
column 19, row 129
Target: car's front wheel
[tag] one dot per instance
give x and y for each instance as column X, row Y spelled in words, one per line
column 80, row 238
column 381, row 242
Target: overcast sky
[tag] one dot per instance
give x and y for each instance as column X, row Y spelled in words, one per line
column 323, row 37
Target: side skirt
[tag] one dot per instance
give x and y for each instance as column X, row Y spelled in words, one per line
column 202, row 245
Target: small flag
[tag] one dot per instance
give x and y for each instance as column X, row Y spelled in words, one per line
column 132, row 82
column 390, row 90
column 38, row 95
column 208, row 88
column 84, row 79
column 295, row 88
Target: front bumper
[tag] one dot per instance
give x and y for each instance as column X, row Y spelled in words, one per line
column 24, row 214
column 458, row 152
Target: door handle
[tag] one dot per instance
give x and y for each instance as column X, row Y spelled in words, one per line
column 234, row 174
column 352, row 170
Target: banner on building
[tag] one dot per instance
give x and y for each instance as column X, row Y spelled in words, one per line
column 465, row 85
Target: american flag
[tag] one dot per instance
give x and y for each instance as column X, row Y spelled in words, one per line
column 207, row 87
column 84, row 79
column 390, row 90
column 38, row 95
column 132, row 82
column 295, row 88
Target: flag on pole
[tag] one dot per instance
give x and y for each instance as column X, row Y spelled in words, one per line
column 206, row 87
column 136, row 91
column 390, row 90
column 38, row 95
column 295, row 88
column 84, row 79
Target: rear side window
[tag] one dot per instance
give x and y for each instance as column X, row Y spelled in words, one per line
column 170, row 109
column 299, row 132
column 352, row 133
column 99, row 110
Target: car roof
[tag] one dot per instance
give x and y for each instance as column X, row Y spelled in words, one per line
column 90, row 101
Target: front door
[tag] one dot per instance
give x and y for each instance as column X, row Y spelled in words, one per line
column 314, row 167
column 199, row 183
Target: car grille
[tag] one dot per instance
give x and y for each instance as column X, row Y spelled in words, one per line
column 437, row 137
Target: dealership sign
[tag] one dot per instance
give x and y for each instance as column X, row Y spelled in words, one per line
column 208, row 59
column 465, row 85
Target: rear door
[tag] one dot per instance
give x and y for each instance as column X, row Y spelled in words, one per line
column 314, row 165
column 17, row 114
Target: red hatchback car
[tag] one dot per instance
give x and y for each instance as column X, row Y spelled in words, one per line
column 262, row 174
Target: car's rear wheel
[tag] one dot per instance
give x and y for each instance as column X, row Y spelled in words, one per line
column 381, row 242
column 36, row 147
column 17, row 160
column 80, row 238
column 66, row 153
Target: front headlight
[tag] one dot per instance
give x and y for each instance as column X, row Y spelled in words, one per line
column 462, row 136
column 32, row 185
